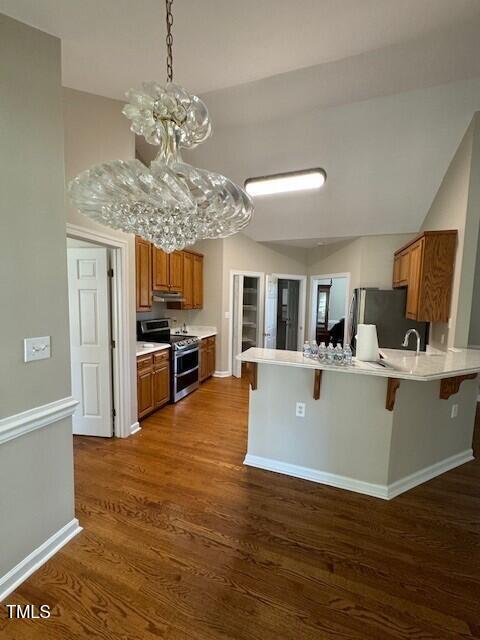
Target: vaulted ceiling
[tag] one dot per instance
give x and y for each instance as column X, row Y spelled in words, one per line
column 110, row 45
column 377, row 92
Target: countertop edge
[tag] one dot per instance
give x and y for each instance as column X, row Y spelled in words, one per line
column 147, row 350
column 380, row 373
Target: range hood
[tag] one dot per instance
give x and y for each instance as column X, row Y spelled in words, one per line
column 168, row 296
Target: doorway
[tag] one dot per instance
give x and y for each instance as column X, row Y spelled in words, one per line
column 123, row 324
column 329, row 302
column 247, row 300
column 285, row 303
column 287, row 314
column 90, row 320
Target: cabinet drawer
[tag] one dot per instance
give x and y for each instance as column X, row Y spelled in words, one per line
column 144, row 363
column 211, row 340
column 160, row 357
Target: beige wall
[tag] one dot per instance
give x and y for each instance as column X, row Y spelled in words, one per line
column 95, row 132
column 368, row 259
column 243, row 254
column 457, row 206
column 36, row 470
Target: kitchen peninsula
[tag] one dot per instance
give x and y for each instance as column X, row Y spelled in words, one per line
column 378, row 430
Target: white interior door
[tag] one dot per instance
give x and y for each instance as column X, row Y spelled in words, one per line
column 271, row 295
column 237, row 324
column 90, row 341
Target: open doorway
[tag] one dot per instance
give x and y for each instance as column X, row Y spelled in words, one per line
column 329, row 300
column 285, row 302
column 247, row 299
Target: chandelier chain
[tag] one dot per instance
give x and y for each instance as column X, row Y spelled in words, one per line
column 168, row 6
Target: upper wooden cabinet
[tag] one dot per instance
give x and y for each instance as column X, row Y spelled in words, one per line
column 187, row 280
column 143, row 265
column 156, row 270
column 425, row 266
column 161, row 269
column 400, row 268
column 192, row 282
column 176, row 271
column 197, row 281
column 167, row 270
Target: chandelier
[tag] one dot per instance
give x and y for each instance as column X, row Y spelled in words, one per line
column 172, row 204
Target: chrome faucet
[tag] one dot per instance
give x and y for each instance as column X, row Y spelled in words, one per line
column 407, row 336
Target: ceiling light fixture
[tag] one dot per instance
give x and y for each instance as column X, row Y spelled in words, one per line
column 286, row 182
column 172, row 204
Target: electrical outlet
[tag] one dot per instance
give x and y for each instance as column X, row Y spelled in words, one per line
column 442, row 339
column 300, row 409
column 454, row 412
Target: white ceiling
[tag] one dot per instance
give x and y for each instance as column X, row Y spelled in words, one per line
column 378, row 92
column 111, row 45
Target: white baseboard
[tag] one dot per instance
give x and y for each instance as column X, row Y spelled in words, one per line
column 434, row 470
column 386, row 492
column 322, row 477
column 135, row 428
column 222, row 374
column 14, row 578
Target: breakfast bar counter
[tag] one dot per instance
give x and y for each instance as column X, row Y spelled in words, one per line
column 376, row 428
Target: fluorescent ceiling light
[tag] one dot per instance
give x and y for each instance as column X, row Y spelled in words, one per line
column 285, row 182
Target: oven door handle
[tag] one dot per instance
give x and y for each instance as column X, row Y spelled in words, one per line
column 179, row 354
column 180, row 375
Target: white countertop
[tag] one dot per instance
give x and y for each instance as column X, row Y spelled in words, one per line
column 405, row 365
column 144, row 348
column 195, row 330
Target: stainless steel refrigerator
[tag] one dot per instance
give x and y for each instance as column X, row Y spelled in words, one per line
column 386, row 309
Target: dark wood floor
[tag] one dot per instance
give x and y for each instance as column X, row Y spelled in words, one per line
column 182, row 542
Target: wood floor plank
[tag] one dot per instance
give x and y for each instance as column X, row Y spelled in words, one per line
column 181, row 541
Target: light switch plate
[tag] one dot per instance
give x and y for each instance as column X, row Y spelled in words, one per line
column 36, row 348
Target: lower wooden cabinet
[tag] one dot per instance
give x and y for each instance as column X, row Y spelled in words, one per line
column 153, row 382
column 207, row 357
column 144, row 393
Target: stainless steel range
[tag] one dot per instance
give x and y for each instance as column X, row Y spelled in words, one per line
column 184, row 355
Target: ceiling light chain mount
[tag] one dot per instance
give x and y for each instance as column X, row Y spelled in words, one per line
column 169, row 18
column 172, row 204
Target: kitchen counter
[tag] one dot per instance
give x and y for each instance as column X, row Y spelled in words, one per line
column 376, row 431
column 198, row 331
column 144, row 348
column 404, row 365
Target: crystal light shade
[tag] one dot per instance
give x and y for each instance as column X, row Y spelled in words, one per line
column 172, row 204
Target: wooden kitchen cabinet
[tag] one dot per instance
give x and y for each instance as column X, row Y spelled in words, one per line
column 144, row 385
column 161, row 269
column 187, row 280
column 425, row 266
column 176, row 271
column 197, row 281
column 143, row 273
column 192, row 289
column 414, row 279
column 180, row 271
column 401, row 264
column 153, row 382
column 207, row 357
